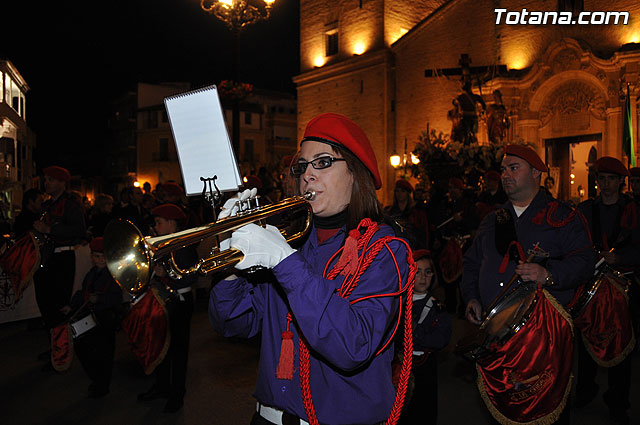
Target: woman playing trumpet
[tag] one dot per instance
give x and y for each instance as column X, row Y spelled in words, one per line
column 329, row 311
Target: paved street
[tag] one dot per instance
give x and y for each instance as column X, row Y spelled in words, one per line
column 219, row 385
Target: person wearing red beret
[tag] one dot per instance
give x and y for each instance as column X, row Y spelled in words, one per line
column 326, row 315
column 101, row 297
column 545, row 244
column 615, row 230
column 431, row 333
column 493, row 195
column 409, row 222
column 171, row 374
column 62, row 226
column 634, row 183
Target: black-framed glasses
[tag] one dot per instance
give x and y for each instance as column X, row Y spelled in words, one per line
column 319, row 163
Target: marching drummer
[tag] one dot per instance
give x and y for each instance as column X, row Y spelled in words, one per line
column 326, row 315
column 615, row 228
column 171, row 374
column 534, row 236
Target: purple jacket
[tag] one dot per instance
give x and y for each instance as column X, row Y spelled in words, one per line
column 349, row 383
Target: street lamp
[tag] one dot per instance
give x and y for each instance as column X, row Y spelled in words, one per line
column 403, row 160
column 236, row 14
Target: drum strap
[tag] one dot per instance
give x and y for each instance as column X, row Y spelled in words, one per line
column 505, row 232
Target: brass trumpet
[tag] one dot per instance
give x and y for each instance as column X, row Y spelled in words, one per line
column 131, row 256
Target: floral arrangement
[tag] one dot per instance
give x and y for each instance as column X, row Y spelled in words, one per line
column 230, row 90
column 442, row 158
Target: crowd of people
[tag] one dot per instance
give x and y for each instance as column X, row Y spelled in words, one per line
column 360, row 309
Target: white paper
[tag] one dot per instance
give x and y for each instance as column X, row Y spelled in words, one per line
column 202, row 141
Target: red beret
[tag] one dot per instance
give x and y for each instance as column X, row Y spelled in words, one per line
column 335, row 129
column 634, row 172
column 492, row 175
column 608, row 164
column 57, row 173
column 403, row 184
column 96, row 245
column 172, row 189
column 527, row 154
column 420, row 253
column 169, row 212
column 253, row 181
column 456, row 182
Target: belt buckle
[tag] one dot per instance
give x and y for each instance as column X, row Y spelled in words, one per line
column 289, row 419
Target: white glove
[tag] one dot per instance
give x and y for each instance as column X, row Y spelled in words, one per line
column 230, row 207
column 260, row 246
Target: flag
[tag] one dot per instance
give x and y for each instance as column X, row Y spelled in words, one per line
column 627, row 132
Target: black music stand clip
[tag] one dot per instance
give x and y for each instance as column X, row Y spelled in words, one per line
column 209, row 194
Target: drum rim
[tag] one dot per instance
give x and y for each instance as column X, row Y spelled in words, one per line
column 531, row 288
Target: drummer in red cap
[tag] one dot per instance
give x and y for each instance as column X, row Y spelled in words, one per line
column 325, row 314
column 101, row 296
column 171, row 374
column 63, row 225
column 542, row 242
column 615, row 230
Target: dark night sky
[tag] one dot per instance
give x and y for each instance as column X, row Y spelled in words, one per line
column 76, row 56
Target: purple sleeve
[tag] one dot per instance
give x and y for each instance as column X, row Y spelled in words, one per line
column 347, row 335
column 236, row 308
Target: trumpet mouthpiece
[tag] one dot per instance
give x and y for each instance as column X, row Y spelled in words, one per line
column 310, row 195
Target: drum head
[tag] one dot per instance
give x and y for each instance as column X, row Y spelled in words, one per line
column 511, row 313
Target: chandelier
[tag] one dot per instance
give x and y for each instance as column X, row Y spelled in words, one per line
column 237, row 14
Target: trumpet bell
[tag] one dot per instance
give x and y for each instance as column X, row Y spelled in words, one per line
column 128, row 258
column 131, row 257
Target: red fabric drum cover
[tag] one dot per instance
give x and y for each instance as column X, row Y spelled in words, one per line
column 147, row 329
column 20, row 262
column 528, row 378
column 61, row 347
column 605, row 321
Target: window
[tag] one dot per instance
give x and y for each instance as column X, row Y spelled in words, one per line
column 247, row 118
column 153, row 119
column 163, row 149
column 248, row 149
column 332, row 42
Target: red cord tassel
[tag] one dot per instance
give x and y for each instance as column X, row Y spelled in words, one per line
column 348, row 262
column 285, row 364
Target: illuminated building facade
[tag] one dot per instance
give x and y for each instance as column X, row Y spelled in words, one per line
column 17, row 141
column 563, row 85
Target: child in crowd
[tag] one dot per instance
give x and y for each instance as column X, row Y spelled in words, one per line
column 431, row 332
column 101, row 296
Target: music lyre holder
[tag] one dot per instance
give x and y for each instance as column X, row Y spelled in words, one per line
column 209, row 194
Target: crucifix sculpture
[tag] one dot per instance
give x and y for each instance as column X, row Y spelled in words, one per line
column 466, row 105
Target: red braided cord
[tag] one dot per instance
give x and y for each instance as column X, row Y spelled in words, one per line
column 305, row 382
column 345, row 291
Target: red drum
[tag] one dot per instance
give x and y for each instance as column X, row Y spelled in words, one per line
column 525, row 374
column 20, row 261
column 147, row 326
column 504, row 321
column 600, row 310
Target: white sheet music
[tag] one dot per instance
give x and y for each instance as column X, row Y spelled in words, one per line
column 202, row 141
